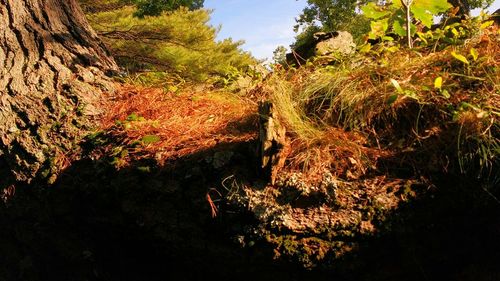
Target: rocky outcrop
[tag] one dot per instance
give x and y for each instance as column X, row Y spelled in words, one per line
column 340, row 44
column 322, row 44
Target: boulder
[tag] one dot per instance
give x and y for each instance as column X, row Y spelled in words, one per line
column 322, row 43
column 341, row 43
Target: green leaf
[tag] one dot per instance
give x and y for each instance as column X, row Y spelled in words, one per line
column 172, row 88
column 133, row 117
column 392, row 49
column 422, row 37
column 459, row 57
column 474, row 54
column 425, row 10
column 438, row 83
column 486, row 24
column 127, row 125
column 445, row 94
column 397, row 4
column 378, row 28
column 149, row 139
column 398, row 28
column 374, row 11
column 411, row 94
column 365, row 48
column 392, row 99
column 424, row 16
column 397, row 86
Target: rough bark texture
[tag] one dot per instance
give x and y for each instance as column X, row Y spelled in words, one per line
column 273, row 145
column 51, row 84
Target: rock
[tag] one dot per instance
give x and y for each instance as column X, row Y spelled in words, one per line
column 321, row 44
column 340, row 43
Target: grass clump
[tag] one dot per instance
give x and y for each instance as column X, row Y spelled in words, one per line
column 439, row 104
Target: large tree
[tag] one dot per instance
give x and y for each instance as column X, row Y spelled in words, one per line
column 144, row 7
column 467, row 5
column 51, row 84
column 332, row 15
column 156, row 7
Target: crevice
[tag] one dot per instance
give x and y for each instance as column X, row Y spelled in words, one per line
column 18, row 35
column 32, row 127
column 23, row 117
column 33, row 13
column 53, row 68
column 18, row 148
column 46, row 18
column 40, row 45
column 10, row 91
column 74, row 27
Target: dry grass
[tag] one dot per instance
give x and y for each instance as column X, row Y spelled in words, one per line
column 343, row 154
column 360, row 96
column 179, row 124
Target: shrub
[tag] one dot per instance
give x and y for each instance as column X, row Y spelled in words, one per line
column 440, row 104
column 180, row 42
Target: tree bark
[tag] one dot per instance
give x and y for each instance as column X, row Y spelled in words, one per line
column 51, row 84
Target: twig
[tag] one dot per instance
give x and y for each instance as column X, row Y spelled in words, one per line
column 211, row 202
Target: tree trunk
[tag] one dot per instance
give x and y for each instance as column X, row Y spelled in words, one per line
column 51, row 84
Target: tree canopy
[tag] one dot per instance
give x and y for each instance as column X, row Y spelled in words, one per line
column 334, row 15
column 144, row 7
column 180, row 41
column 156, row 7
column 330, row 14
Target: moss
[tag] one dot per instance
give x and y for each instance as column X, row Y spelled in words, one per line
column 309, row 252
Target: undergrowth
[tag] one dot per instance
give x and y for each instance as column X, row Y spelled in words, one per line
column 439, row 102
column 148, row 123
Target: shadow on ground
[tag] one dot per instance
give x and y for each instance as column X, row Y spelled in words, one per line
column 147, row 222
column 138, row 223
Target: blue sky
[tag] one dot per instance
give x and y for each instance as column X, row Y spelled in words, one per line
column 262, row 24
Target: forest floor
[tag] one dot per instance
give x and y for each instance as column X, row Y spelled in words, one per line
column 170, row 189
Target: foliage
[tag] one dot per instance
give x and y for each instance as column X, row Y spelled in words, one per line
column 328, row 16
column 305, row 37
column 144, row 7
column 386, row 16
column 279, row 55
column 156, row 7
column 453, row 34
column 333, row 15
column 95, row 6
column 467, row 5
column 393, row 16
column 439, row 101
column 180, row 41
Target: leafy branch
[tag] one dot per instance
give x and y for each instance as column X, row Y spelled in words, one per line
column 401, row 16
